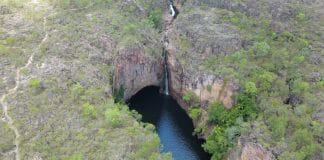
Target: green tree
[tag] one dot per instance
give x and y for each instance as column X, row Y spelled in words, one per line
column 217, row 113
column 217, row 144
column 148, row 150
column 250, row 88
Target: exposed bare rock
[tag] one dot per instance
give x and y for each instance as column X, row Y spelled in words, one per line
column 207, row 87
column 207, row 37
column 252, row 151
column 134, row 70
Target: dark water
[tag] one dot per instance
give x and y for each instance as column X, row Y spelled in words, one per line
column 173, row 125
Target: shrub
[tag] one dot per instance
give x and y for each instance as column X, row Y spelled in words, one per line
column 155, row 17
column 89, row 110
column 191, row 98
column 303, row 43
column 113, row 116
column 10, row 40
column 261, row 48
column 247, row 106
column 301, row 16
column 278, row 126
column 217, row 113
column 187, row 97
column 148, row 150
column 217, row 144
column 77, row 90
column 250, row 88
column 194, row 113
column 34, row 83
column 265, row 80
column 235, row 20
column 300, row 87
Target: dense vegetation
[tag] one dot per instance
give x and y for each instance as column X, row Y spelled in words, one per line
column 66, row 108
column 63, row 107
column 280, row 73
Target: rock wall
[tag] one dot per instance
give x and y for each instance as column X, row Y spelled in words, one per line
column 207, row 87
column 250, row 151
column 135, row 69
column 183, row 63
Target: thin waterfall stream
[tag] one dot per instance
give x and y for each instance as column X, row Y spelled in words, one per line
column 173, row 125
column 166, row 74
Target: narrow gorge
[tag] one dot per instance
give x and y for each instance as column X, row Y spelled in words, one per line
column 161, row 79
column 173, row 125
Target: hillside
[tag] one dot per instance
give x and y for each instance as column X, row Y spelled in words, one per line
column 248, row 72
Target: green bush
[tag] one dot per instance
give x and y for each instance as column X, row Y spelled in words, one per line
column 303, row 43
column 113, row 116
column 217, row 113
column 300, row 87
column 10, row 40
column 217, row 143
column 261, row 48
column 250, row 88
column 34, row 83
column 155, row 17
column 228, row 123
column 301, row 16
column 77, row 90
column 278, row 126
column 194, row 113
column 89, row 110
column 148, row 150
column 191, row 98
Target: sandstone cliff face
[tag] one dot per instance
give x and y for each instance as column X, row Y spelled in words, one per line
column 251, row 151
column 134, row 70
column 206, row 38
column 206, row 86
column 209, row 30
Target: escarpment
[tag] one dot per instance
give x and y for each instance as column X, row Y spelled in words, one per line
column 134, row 69
column 191, row 40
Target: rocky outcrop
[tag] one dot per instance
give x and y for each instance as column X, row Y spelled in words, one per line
column 278, row 12
column 252, row 151
column 207, row 87
column 134, row 69
column 206, row 38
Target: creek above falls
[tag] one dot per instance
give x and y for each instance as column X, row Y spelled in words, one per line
column 173, row 125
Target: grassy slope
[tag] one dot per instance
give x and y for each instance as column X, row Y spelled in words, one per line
column 63, row 107
column 283, row 68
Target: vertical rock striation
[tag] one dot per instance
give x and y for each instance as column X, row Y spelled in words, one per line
column 135, row 69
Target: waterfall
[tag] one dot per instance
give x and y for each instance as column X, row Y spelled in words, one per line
column 166, row 76
column 173, row 13
column 172, row 10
